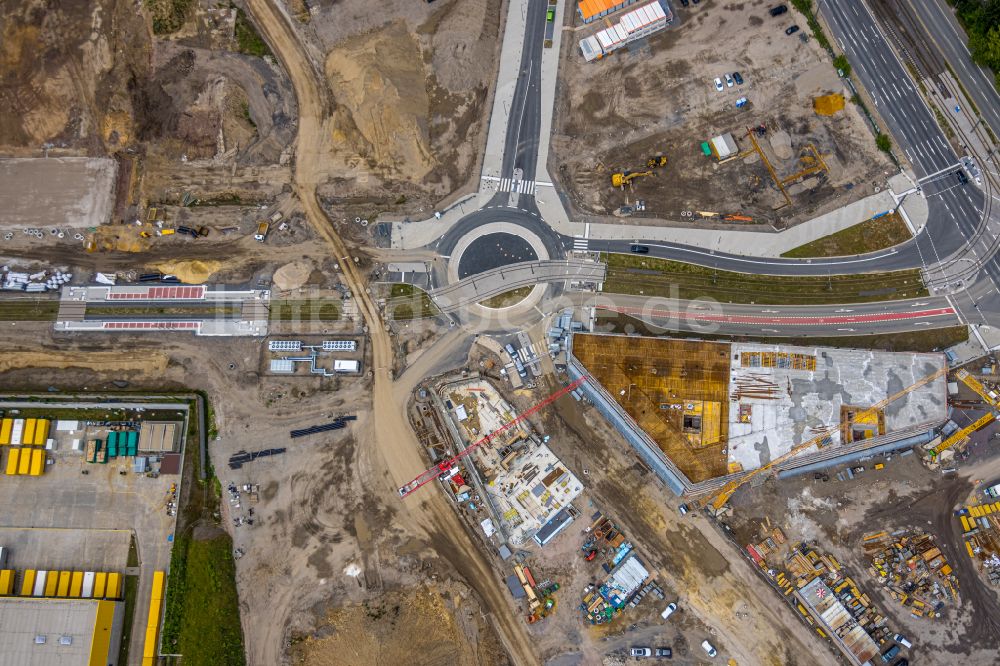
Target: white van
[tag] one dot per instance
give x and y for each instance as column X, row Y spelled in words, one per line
column 708, row 647
column 903, row 640
column 668, row 611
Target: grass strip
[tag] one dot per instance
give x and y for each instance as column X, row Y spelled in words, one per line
column 645, row 276
column 868, row 236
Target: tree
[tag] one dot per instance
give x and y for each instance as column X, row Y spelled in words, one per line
column 883, row 142
column 841, row 63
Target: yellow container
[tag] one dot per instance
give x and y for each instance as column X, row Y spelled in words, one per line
column 37, row 462
column 28, row 437
column 113, row 590
column 12, row 460
column 968, row 547
column 7, row 582
column 24, row 463
column 5, row 428
column 100, row 584
column 64, row 580
column 158, row 580
column 51, row 583
column 28, row 583
column 41, row 431
column 76, row 584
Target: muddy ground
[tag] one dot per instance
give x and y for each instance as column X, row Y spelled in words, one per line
column 658, row 97
column 835, row 515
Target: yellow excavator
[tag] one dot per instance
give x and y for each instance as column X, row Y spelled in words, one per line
column 719, row 499
column 626, row 177
column 961, row 435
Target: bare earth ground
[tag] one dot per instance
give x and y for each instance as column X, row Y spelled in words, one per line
column 658, row 97
column 835, row 516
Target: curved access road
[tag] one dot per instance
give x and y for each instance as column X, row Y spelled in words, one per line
column 396, row 449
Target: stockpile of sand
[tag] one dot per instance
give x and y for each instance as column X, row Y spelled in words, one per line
column 827, row 105
column 380, row 86
column 190, row 272
column 293, row 275
column 781, row 144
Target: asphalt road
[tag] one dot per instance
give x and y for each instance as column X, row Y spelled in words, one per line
column 950, row 40
column 524, row 126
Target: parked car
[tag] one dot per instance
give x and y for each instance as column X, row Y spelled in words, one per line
column 738, row 78
column 791, row 30
column 683, row 508
column 778, row 10
column 669, row 610
column 729, row 81
column 718, row 84
column 664, row 653
column 903, row 640
column 890, row 653
column 962, row 178
column 684, row 3
column 639, row 249
column 709, row 648
column 640, row 652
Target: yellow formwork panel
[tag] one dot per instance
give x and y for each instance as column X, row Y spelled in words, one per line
column 5, row 427
column 51, row 583
column 64, row 579
column 76, row 584
column 41, row 431
column 968, row 546
column 24, row 462
column 100, row 584
column 28, row 437
column 12, row 460
column 28, row 583
column 37, row 462
column 989, row 509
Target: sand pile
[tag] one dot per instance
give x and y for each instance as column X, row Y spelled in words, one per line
column 292, row 275
column 194, row 271
column 382, row 99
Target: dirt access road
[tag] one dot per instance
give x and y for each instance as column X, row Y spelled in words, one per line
column 396, row 444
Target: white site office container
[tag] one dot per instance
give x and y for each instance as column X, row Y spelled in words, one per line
column 88, row 585
column 39, row 589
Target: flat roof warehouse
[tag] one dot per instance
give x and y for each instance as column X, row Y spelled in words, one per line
column 59, row 632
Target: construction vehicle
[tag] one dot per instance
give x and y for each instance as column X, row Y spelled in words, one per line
column 626, row 177
column 656, row 161
column 718, row 501
column 991, row 398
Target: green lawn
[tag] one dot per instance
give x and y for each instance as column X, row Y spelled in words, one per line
column 507, row 298
column 868, row 236
column 305, row 310
column 159, row 310
column 131, row 590
column 409, row 302
column 248, row 40
column 639, row 275
column 202, row 602
column 40, row 309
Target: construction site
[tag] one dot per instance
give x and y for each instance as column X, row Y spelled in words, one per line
column 714, row 409
column 781, row 145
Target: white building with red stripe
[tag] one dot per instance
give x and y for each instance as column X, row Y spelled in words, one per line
column 634, row 25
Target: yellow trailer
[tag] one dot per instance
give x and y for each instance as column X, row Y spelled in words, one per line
column 28, row 583
column 51, row 583
column 100, row 584
column 5, row 428
column 41, row 431
column 28, row 438
column 24, row 463
column 64, row 580
column 76, row 585
column 37, row 462
column 965, row 523
column 12, row 460
column 113, row 591
column 7, row 582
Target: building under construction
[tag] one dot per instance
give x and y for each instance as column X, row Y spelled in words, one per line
column 698, row 412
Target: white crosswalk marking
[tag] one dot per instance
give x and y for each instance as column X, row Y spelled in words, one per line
column 580, row 244
column 521, row 186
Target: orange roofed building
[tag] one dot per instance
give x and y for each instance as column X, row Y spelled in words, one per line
column 591, row 10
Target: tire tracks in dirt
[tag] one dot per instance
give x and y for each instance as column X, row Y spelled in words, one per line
column 395, row 443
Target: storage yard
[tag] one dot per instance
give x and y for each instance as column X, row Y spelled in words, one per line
column 720, row 408
column 778, row 147
column 91, row 502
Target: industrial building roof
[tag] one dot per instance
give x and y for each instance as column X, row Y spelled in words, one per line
column 635, row 20
column 625, row 580
column 57, row 632
column 849, row 636
column 591, row 8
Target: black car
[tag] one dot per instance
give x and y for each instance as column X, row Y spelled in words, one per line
column 791, row 30
column 738, row 78
column 663, row 652
column 684, row 3
column 639, row 249
column 962, row 178
column 779, row 10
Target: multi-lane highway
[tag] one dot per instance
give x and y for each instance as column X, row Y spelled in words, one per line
column 956, row 249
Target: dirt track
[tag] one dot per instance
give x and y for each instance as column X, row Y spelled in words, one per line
column 396, row 446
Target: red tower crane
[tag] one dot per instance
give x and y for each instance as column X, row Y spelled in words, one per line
column 445, row 465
